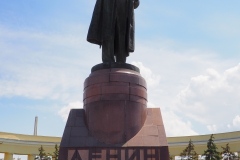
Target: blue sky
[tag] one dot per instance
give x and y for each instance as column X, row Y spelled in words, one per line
column 188, row 51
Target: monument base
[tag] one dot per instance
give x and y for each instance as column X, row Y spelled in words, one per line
column 115, row 123
column 115, row 102
column 149, row 143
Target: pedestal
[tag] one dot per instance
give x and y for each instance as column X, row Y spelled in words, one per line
column 115, row 123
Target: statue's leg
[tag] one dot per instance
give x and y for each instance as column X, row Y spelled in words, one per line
column 122, row 51
column 108, row 50
column 121, row 27
column 119, row 48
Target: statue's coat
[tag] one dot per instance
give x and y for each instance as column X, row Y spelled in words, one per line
column 103, row 22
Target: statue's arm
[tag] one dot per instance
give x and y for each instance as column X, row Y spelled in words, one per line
column 136, row 3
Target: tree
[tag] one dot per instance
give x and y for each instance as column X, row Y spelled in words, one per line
column 56, row 152
column 170, row 156
column 42, row 155
column 189, row 153
column 211, row 152
column 227, row 154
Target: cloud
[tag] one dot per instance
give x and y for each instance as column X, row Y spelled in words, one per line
column 212, row 98
column 176, row 69
column 235, row 124
column 42, row 65
column 39, row 82
column 175, row 126
column 212, row 128
column 151, row 78
column 236, row 121
column 64, row 112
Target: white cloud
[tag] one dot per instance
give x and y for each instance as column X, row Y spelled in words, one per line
column 151, row 78
column 190, row 102
column 212, row 98
column 235, row 124
column 64, row 112
column 175, row 126
column 236, row 121
column 49, row 66
column 40, row 82
column 212, row 128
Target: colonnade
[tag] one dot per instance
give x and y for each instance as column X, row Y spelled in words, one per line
column 9, row 156
column 11, row 144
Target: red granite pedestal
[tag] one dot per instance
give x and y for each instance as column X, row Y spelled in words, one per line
column 115, row 123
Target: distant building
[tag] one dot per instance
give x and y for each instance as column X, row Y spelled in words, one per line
column 11, row 143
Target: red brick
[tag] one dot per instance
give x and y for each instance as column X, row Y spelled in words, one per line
column 114, row 96
column 83, row 153
column 138, row 99
column 115, row 89
column 162, row 136
column 157, row 117
column 92, row 91
column 96, row 80
column 71, row 153
column 115, row 84
column 150, row 140
column 142, row 82
column 135, row 141
column 150, row 130
column 138, row 91
column 92, row 99
column 124, row 78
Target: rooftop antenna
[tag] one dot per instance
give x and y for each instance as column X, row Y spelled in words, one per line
column 35, row 126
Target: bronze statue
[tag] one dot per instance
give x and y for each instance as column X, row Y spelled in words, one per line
column 112, row 27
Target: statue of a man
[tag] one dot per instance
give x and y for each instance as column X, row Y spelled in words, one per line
column 112, row 27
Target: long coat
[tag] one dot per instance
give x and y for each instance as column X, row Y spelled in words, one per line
column 102, row 23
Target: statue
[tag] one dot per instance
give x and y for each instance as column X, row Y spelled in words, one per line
column 112, row 27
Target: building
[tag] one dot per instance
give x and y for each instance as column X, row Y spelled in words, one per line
column 11, row 143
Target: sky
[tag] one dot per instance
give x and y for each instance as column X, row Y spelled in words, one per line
column 188, row 52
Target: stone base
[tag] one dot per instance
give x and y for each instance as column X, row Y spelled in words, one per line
column 149, row 143
column 115, row 123
column 115, row 103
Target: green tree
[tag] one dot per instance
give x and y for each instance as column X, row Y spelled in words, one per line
column 56, row 152
column 211, row 152
column 170, row 156
column 42, row 153
column 189, row 153
column 227, row 154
